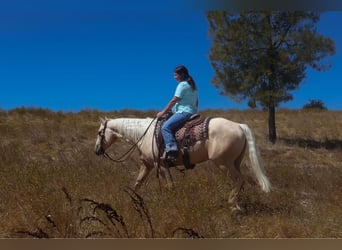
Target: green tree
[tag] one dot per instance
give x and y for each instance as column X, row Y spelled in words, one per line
column 315, row 104
column 262, row 56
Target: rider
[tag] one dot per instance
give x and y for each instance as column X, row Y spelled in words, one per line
column 186, row 101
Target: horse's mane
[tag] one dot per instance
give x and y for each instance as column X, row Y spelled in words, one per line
column 131, row 128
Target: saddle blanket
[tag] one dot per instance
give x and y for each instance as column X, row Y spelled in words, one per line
column 195, row 129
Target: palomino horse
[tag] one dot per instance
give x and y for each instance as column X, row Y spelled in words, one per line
column 225, row 146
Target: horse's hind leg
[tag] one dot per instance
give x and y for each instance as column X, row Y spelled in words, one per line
column 234, row 195
column 238, row 179
column 232, row 169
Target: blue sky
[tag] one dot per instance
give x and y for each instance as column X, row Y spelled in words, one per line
column 75, row 55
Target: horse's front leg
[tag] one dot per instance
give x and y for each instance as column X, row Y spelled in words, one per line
column 145, row 169
column 166, row 175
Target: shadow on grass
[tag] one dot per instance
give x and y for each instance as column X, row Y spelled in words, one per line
column 260, row 208
column 313, row 144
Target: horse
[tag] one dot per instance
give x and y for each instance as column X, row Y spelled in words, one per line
column 225, row 146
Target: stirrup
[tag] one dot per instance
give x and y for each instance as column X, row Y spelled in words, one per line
column 171, row 158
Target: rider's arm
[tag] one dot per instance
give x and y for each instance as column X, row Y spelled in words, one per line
column 168, row 107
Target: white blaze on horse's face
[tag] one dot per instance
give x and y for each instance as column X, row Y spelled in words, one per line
column 100, row 140
column 106, row 137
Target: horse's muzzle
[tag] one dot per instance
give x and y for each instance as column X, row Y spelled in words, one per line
column 99, row 150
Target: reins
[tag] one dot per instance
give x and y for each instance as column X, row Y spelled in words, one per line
column 124, row 157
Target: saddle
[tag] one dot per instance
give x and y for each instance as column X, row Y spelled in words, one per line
column 194, row 130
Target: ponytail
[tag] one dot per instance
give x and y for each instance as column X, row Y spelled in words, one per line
column 191, row 82
column 184, row 73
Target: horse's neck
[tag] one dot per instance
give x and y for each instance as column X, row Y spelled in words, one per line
column 131, row 129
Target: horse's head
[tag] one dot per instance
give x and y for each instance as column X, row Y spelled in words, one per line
column 106, row 136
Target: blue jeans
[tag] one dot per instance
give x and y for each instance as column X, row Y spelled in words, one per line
column 170, row 127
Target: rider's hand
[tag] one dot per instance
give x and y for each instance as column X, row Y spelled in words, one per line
column 160, row 114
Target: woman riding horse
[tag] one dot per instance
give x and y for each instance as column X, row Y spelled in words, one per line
column 186, row 101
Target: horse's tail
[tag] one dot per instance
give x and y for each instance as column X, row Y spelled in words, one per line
column 254, row 157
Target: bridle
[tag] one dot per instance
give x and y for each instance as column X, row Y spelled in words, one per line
column 123, row 157
column 102, row 133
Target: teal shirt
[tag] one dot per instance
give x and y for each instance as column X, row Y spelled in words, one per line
column 187, row 98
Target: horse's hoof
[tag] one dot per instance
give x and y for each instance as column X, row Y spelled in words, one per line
column 236, row 209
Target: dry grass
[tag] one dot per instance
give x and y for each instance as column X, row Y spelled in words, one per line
column 53, row 185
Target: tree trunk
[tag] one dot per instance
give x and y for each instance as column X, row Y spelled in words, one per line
column 272, row 132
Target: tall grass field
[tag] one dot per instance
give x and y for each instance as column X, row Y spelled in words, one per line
column 52, row 185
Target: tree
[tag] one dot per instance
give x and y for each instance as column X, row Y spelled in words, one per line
column 315, row 104
column 262, row 56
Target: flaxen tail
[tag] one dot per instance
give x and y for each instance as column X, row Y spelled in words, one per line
column 254, row 157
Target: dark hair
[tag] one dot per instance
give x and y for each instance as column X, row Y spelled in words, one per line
column 184, row 73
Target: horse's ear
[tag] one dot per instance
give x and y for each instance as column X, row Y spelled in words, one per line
column 102, row 120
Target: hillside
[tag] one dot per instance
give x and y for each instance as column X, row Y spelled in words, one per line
column 53, row 185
